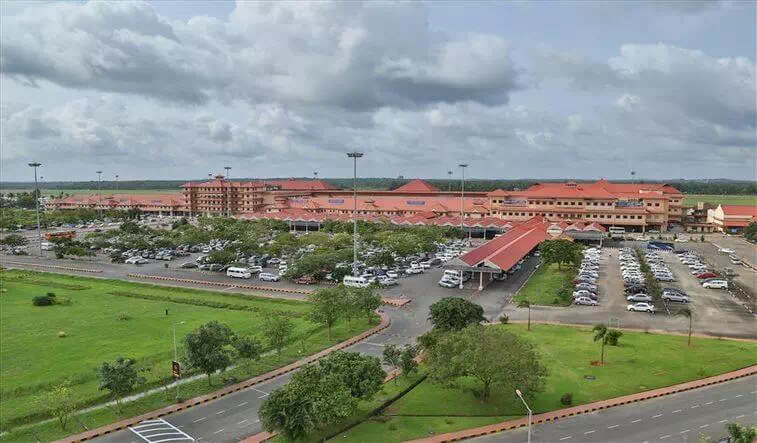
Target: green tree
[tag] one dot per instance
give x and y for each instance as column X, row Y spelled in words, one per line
column 223, row 257
column 560, row 252
column 328, row 305
column 741, row 433
column 248, row 349
column 407, row 360
column 526, row 304
column 362, row 374
column 384, row 258
column 750, row 232
column 13, row 240
column 286, row 411
column 208, row 348
column 605, row 336
column 277, row 331
column 400, row 243
column 453, row 313
column 364, row 301
column 119, row 378
column 59, row 402
column 393, row 357
column 477, row 352
column 689, row 314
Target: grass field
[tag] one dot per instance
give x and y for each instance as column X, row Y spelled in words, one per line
column 641, row 362
column 543, row 286
column 692, row 199
column 33, row 358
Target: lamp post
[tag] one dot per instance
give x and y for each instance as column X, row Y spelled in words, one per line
column 520, row 396
column 449, row 181
column 175, row 353
column 462, row 209
column 228, row 197
column 99, row 193
column 36, row 165
column 354, row 156
column 116, row 183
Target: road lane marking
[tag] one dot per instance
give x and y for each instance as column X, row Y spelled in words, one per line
column 723, row 399
column 565, row 438
column 737, row 396
column 200, row 419
column 612, row 427
column 218, row 431
column 753, row 392
column 374, row 344
column 708, row 403
column 664, row 437
column 243, row 421
column 241, row 404
column 722, row 421
column 685, row 431
column 635, row 421
column 704, row 426
column 658, row 415
column 676, row 411
column 740, row 416
column 589, row 432
column 221, row 412
column 694, row 407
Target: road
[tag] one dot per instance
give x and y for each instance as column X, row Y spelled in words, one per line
column 679, row 417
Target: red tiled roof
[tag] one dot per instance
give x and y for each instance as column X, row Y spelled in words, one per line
column 740, row 210
column 417, row 185
column 736, row 223
column 505, row 250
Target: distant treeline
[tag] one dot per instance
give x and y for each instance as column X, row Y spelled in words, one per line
column 717, row 187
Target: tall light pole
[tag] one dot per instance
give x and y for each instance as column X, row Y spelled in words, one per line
column 354, row 156
column 449, row 181
column 175, row 354
column 520, row 396
column 36, row 165
column 99, row 193
column 228, row 197
column 116, row 183
column 462, row 209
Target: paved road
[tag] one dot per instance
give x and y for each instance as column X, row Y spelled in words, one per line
column 677, row 418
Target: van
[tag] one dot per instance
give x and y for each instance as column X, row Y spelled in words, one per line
column 238, row 273
column 255, row 269
column 715, row 284
column 355, row 282
column 46, row 246
column 452, row 273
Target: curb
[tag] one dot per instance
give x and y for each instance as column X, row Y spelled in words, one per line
column 123, row 424
column 65, row 268
column 588, row 408
column 218, row 283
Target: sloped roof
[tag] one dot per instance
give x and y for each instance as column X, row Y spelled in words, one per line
column 504, row 251
column 740, row 210
column 417, row 185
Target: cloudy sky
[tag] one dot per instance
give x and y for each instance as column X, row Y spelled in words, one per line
column 174, row 90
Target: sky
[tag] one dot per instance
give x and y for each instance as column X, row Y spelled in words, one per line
column 521, row 89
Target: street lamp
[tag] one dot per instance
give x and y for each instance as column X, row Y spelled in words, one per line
column 100, row 193
column 228, row 197
column 175, row 354
column 36, row 165
column 520, row 396
column 449, row 181
column 354, row 156
column 462, row 210
column 116, row 183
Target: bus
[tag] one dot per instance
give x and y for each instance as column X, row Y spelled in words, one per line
column 617, row 232
column 60, row 235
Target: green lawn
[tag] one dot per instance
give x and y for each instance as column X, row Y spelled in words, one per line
column 641, row 362
column 543, row 286
column 33, row 358
column 692, row 199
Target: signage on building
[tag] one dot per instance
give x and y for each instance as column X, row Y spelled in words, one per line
column 336, row 201
column 416, row 202
column 554, row 230
column 515, row 202
column 628, row 204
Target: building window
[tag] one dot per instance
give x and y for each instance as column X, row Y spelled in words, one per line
column 572, row 203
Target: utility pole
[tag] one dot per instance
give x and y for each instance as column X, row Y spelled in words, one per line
column 449, row 181
column 315, row 179
column 462, row 210
column 36, row 165
column 354, row 156
column 116, row 183
column 175, row 354
column 228, row 197
column 100, row 193
column 530, row 413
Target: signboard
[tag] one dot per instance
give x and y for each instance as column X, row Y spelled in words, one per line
column 515, row 202
column 336, row 201
column 416, row 202
column 176, row 369
column 554, row 230
column 628, row 204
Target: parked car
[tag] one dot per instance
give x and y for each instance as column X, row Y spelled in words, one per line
column 715, row 284
column 447, row 283
column 675, row 296
column 414, row 270
column 585, row 301
column 704, row 275
column 304, row 280
column 641, row 307
column 267, row 276
column 215, row 267
column 188, row 265
column 726, row 251
column 639, row 297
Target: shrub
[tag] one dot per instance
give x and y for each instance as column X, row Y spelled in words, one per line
column 51, row 294
column 504, row 319
column 567, row 399
column 62, row 334
column 392, row 427
column 123, row 316
column 448, row 421
column 42, row 300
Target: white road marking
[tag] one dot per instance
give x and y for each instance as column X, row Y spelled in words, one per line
column 221, row 412
column 737, row 396
column 565, row 438
column 258, row 390
column 722, row 421
column 658, row 415
column 676, row 411
column 200, row 419
column 635, row 421
column 753, row 392
column 723, row 399
column 708, row 403
column 218, row 431
column 243, row 421
column 684, row 431
column 704, row 426
column 664, row 437
column 694, row 407
column 374, row 344
column 740, row 416
column 241, row 404
column 589, row 432
column 612, row 427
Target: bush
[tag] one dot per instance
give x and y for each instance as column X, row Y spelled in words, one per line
column 392, row 427
column 62, row 334
column 567, row 399
column 42, row 300
column 123, row 316
column 51, row 294
column 504, row 319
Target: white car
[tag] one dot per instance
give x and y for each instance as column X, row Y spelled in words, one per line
column 583, row 293
column 447, row 283
column 726, row 251
column 639, row 298
column 641, row 307
column 384, row 280
column 585, row 301
column 266, row 276
column 392, row 274
column 715, row 284
column 414, row 270
column 425, row 264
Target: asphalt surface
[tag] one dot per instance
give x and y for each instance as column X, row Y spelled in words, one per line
column 681, row 417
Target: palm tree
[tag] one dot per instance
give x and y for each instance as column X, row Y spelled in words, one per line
column 600, row 334
column 526, row 304
column 686, row 312
column 741, row 434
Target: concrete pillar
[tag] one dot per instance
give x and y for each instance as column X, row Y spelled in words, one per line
column 480, row 281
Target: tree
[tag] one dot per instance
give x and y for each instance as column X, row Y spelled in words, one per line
column 491, row 355
column 364, row 301
column 340, row 272
column 605, row 336
column 400, row 243
column 393, row 357
column 286, row 411
column 362, row 374
column 560, row 252
column 59, row 403
column 14, row 240
column 384, row 258
column 119, row 378
column 66, row 246
column 407, row 360
column 208, row 348
column 688, row 313
column 328, row 305
column 741, row 433
column 613, row 336
column 248, row 349
column 277, row 331
column 526, row 304
column 221, row 257
column 453, row 313
column 750, row 232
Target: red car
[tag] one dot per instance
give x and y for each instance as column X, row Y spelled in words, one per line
column 305, row 280
column 707, row 275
